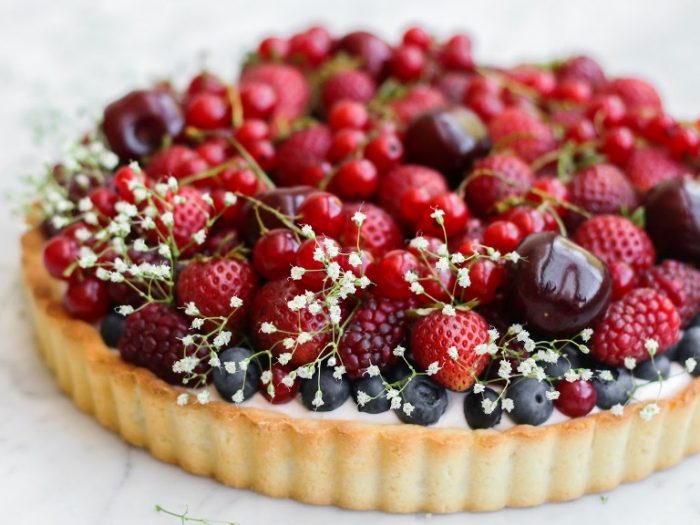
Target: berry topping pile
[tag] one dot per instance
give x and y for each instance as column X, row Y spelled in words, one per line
column 357, row 221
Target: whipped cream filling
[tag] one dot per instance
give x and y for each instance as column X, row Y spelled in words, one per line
column 454, row 415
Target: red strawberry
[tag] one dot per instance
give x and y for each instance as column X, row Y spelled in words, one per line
column 417, row 100
column 301, row 151
column 270, row 306
column 613, row 238
column 405, row 187
column 211, row 285
column 637, row 94
column 648, row 167
column 628, row 323
column 437, row 335
column 523, row 133
column 152, row 338
column 290, row 86
column 378, row 234
column 495, row 178
column 680, row 283
column 584, row 69
column 601, row 189
column 373, row 52
column 371, row 336
column 353, row 85
column 190, row 215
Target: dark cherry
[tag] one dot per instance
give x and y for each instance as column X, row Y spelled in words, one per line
column 86, row 299
column 559, row 287
column 448, row 140
column 286, row 200
column 136, row 124
column 674, row 206
column 373, row 52
column 274, row 253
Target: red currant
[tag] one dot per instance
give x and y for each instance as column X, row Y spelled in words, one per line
column 408, row 63
column 240, row 180
column 124, row 180
column 214, row 151
column 315, row 276
column 456, row 54
column 86, row 299
column 577, row 398
column 59, row 253
column 274, row 253
column 575, row 91
column 311, row 47
column 486, row 278
column 345, row 143
column 618, row 145
column 384, row 151
column 608, row 110
column 528, row 220
column 205, row 82
column 282, row 392
column 323, row 212
column 348, row 114
column 389, row 274
column 355, row 180
column 581, row 131
column 208, row 111
column 273, row 48
column 683, row 141
column 454, row 217
column 264, row 154
column 252, row 131
column 258, row 100
column 659, row 128
column 503, row 236
column 104, row 201
column 417, row 36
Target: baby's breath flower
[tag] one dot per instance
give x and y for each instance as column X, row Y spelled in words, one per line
column 288, row 343
column 188, row 340
column 230, row 367
column 183, row 399
column 419, row 243
column 140, row 245
column 306, row 371
column 339, row 372
column 200, row 236
column 243, row 363
column 236, row 302
column 373, row 371
column 417, row 288
column 284, row 358
column 617, row 409
column 125, row 310
column 297, row 272
column 238, row 396
column 297, row 303
column 407, row 409
column 507, row 404
column 512, row 257
column 410, row 276
column 630, row 363
column 308, row 232
column 167, row 218
column 333, row 271
column 651, row 346
column 552, row 395
column 318, row 399
column 463, row 278
column 358, row 218
column 479, row 388
column 453, row 353
column 442, row 264
column 488, row 406
column 649, row 411
column 449, row 310
column 399, row 351
column 230, row 199
column 197, row 323
column 304, row 337
column 433, row 368
column 222, row 339
column 363, row 398
column 266, row 377
column 203, row 397
column 332, row 361
column 355, row 260
column 438, row 215
column 364, row 282
column 690, row 364
column 191, row 309
column 505, row 369
column 571, row 375
column 185, row 365
column 586, row 334
column 606, row 375
column 515, row 329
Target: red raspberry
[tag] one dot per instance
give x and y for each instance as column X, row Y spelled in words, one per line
column 582, row 68
column 417, row 99
column 601, row 189
column 495, row 178
column 290, row 86
column 270, row 306
column 395, row 185
column 300, row 151
column 210, row 284
column 637, row 94
column 680, row 283
column 433, row 339
column 613, row 238
column 628, row 323
column 152, row 339
column 353, row 85
column 648, row 167
column 378, row 234
column 375, row 330
column 523, row 133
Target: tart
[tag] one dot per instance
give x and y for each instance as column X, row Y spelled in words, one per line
column 381, row 277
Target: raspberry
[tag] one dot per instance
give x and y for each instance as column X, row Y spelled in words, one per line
column 637, row 94
column 211, row 284
column 396, row 185
column 302, row 150
column 601, row 189
column 648, row 167
column 436, row 337
column 290, row 86
column 371, row 336
column 152, row 339
column 628, row 323
column 523, row 133
column 353, row 85
column 495, row 178
column 613, row 238
column 270, row 306
column 680, row 283
column 378, row 234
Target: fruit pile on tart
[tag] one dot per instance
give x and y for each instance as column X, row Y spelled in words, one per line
column 353, row 222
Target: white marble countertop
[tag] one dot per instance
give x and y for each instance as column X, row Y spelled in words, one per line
column 59, row 466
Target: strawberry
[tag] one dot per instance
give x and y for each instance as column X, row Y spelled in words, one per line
column 415, row 101
column 637, row 94
column 270, row 306
column 290, row 86
column 436, row 336
column 495, row 178
column 190, row 215
column 583, row 69
column 630, row 322
column 613, row 238
column 353, row 85
column 212, row 284
column 405, row 187
column 301, row 151
column 523, row 133
column 648, row 167
column 378, row 234
column 601, row 189
column 370, row 337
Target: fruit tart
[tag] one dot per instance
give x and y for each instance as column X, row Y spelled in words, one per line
column 381, row 276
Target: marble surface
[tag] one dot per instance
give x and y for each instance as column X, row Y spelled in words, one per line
column 61, row 60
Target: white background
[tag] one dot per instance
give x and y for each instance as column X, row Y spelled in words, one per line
column 59, row 57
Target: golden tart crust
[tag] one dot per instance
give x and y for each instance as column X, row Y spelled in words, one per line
column 353, row 464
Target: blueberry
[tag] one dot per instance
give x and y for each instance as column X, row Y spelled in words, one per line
column 695, row 321
column 530, row 403
column 617, row 391
column 111, row 328
column 570, row 357
column 689, row 347
column 651, row 368
column 398, row 373
column 429, row 401
column 227, row 383
column 373, row 387
column 334, row 392
column 672, row 352
column 474, row 412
